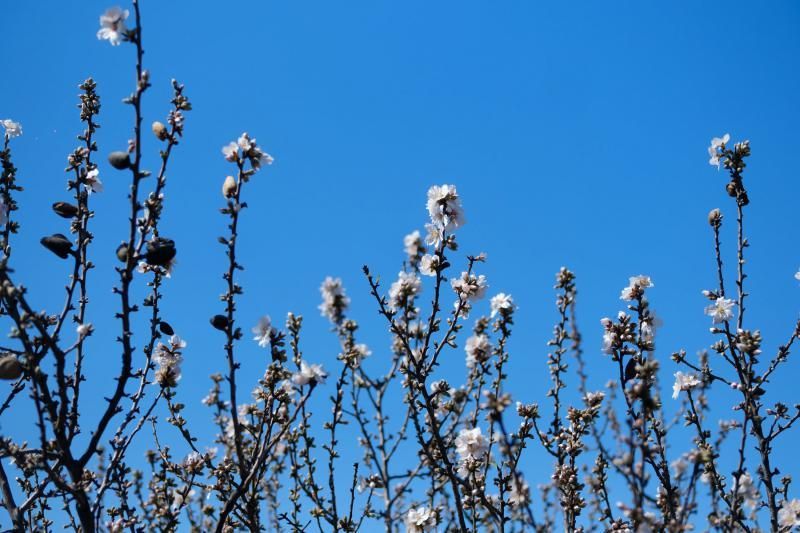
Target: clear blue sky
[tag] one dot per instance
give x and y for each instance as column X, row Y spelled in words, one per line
column 576, row 133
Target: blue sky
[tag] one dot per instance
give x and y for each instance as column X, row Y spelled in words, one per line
column 575, row 132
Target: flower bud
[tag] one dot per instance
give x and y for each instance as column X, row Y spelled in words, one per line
column 10, row 367
column 160, row 252
column 229, row 187
column 731, row 188
column 220, row 322
column 119, row 160
column 160, row 131
column 58, row 244
column 65, row 210
column 715, row 217
column 165, row 328
column 122, row 252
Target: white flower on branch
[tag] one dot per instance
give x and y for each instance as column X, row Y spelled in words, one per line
column 717, row 144
column 469, row 286
column 420, row 520
column 93, row 183
column 520, row 493
column 684, row 382
column 13, row 129
column 789, row 514
column 309, row 374
column 470, row 443
column 412, row 243
column 334, row 300
column 444, row 207
column 230, row 151
column 84, row 330
column 263, row 331
column 112, row 25
column 721, row 310
column 169, row 359
column 749, row 491
column 407, row 285
column 636, row 287
column 502, row 303
column 478, row 349
column 429, row 264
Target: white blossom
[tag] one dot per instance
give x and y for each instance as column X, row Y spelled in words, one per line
column 93, row 183
column 501, row 303
column 420, row 520
column 112, row 25
column 230, row 151
column 84, row 329
column 717, row 143
column 610, row 337
column 748, row 491
column 434, row 235
column 13, row 129
column 478, row 349
column 309, row 373
column 444, row 207
column 520, row 493
column 797, row 275
column 412, row 243
column 721, row 310
column 636, row 285
column 263, row 331
column 429, row 264
column 789, row 514
column 407, row 285
column 334, row 300
column 169, row 359
column 684, row 382
column 470, row 443
column 470, row 286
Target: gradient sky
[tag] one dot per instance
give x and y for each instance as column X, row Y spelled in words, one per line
column 575, row 132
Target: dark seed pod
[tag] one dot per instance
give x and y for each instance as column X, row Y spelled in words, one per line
column 65, row 210
column 119, row 160
column 630, row 370
column 220, row 322
column 165, row 328
column 160, row 251
column 58, row 244
column 122, row 252
column 10, row 367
